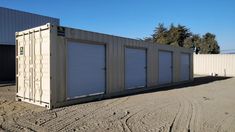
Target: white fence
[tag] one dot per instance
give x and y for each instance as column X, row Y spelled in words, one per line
column 216, row 64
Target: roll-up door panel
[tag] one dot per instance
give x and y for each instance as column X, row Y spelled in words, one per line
column 85, row 69
column 135, row 68
column 165, row 67
column 184, row 67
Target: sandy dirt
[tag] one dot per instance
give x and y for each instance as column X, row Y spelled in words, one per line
column 207, row 104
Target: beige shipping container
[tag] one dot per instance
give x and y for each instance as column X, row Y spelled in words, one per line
column 58, row 66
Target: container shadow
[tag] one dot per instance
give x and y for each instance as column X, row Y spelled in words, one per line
column 4, row 84
column 199, row 80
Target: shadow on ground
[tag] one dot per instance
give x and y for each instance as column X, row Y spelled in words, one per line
column 199, row 80
column 4, row 84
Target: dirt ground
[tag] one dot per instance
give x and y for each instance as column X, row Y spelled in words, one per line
column 207, row 104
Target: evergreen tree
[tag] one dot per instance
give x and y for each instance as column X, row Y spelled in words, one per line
column 181, row 36
column 160, row 35
column 209, row 44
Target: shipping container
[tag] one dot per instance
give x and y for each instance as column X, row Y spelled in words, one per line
column 58, row 66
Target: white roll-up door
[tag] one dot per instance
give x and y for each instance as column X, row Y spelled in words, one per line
column 135, row 68
column 85, row 69
column 184, row 67
column 165, row 67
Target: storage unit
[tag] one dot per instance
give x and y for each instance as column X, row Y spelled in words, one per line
column 135, row 68
column 12, row 21
column 185, row 66
column 86, row 69
column 58, row 66
column 165, row 67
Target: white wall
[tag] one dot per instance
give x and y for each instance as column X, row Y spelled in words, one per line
column 221, row 64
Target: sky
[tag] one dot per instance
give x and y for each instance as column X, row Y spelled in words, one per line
column 138, row 18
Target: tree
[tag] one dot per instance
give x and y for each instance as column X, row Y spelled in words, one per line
column 181, row 36
column 173, row 36
column 209, row 44
column 148, row 39
column 183, row 33
column 160, row 34
column 193, row 41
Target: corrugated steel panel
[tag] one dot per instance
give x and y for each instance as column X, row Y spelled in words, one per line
column 33, row 66
column 220, row 64
column 115, row 61
column 12, row 21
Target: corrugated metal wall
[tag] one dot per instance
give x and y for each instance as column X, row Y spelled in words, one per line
column 115, row 50
column 7, row 63
column 12, row 21
column 221, row 64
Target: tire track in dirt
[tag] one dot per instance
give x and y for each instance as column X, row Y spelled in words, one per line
column 226, row 124
column 213, row 124
column 127, row 120
column 142, row 119
column 92, row 114
column 176, row 115
column 41, row 118
column 137, row 109
column 156, row 113
column 112, row 117
column 13, row 111
column 135, row 121
column 196, row 118
column 130, row 111
column 220, row 126
column 7, row 119
column 37, row 121
column 218, row 121
column 2, row 112
column 189, row 115
column 123, row 107
column 65, row 117
column 128, row 115
column 183, row 117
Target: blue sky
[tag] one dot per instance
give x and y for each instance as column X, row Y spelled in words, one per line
column 138, row 18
